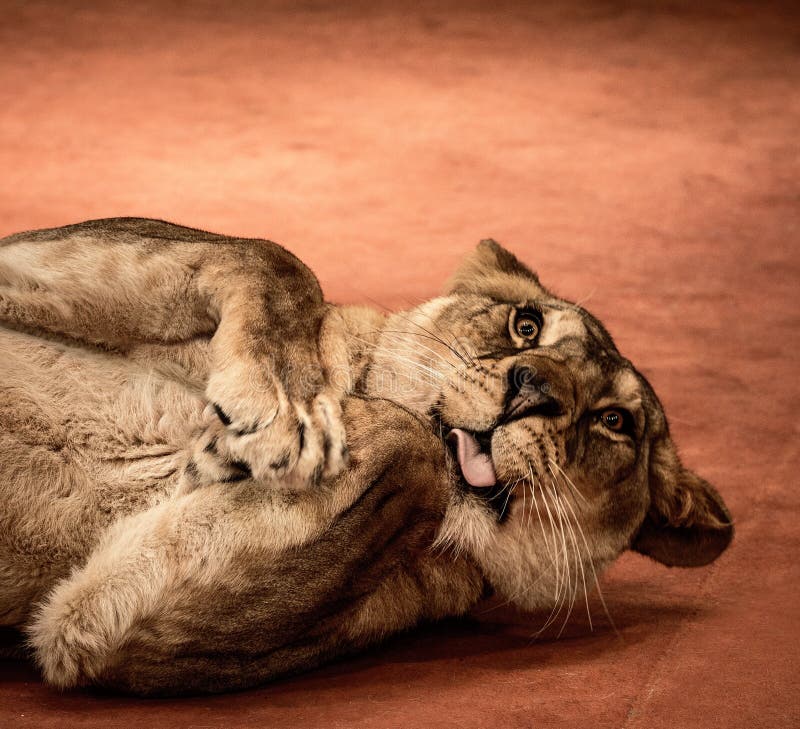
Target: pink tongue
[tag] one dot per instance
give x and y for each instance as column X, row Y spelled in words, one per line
column 476, row 467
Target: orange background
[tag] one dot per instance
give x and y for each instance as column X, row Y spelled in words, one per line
column 644, row 157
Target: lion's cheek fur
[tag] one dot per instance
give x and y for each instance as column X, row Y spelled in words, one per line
column 531, row 561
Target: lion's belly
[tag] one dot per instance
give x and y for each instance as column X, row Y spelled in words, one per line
column 85, row 437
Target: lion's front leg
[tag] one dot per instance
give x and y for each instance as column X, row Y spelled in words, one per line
column 280, row 412
column 120, row 283
column 277, row 380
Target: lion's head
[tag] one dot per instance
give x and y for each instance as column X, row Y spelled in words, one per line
column 561, row 447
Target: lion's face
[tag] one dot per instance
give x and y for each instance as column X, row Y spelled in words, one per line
column 561, row 447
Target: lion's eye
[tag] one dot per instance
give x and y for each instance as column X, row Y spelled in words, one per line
column 526, row 326
column 613, row 420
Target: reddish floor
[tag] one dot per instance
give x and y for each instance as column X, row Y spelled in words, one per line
column 643, row 156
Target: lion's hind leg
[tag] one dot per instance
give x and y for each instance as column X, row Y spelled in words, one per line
column 80, row 626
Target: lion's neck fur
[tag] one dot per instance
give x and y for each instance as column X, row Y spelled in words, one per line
column 384, row 353
column 381, row 364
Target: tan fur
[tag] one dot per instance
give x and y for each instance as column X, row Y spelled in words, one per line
column 126, row 282
column 147, row 545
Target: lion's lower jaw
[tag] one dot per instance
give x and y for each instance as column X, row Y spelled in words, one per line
column 524, row 566
column 470, row 528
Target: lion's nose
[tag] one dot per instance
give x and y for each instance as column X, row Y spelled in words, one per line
column 530, row 393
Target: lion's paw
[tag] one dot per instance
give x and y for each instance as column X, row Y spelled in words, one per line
column 70, row 650
column 257, row 431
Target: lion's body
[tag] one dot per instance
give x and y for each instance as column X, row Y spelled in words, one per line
column 92, row 445
column 150, row 544
column 87, row 437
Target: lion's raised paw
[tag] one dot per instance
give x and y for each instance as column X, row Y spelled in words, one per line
column 294, row 450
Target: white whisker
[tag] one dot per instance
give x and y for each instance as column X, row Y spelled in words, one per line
column 586, row 298
column 454, row 342
column 594, row 571
column 578, row 559
column 401, row 336
column 434, row 336
column 569, row 480
column 414, row 363
column 568, row 533
column 555, row 561
column 559, row 509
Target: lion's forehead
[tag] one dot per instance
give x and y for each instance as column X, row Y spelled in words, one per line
column 562, row 324
column 574, row 333
column 577, row 335
column 627, row 385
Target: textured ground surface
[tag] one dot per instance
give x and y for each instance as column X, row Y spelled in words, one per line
column 645, row 160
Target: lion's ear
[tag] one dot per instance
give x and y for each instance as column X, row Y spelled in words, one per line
column 688, row 524
column 491, row 270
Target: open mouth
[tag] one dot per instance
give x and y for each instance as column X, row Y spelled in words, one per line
column 473, row 455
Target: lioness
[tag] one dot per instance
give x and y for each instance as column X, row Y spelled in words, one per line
column 211, row 477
